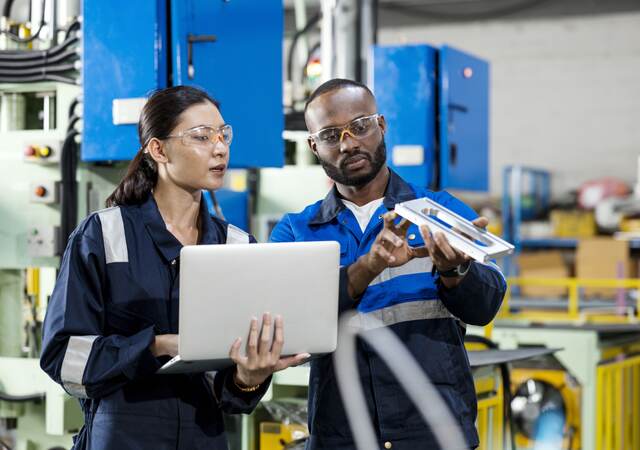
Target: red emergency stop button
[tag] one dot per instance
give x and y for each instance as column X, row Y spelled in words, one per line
column 30, row 151
column 40, row 191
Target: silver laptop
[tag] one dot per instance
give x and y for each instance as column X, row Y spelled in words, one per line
column 223, row 286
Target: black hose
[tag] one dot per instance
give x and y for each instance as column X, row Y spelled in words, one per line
column 294, row 41
column 6, row 11
column 32, row 38
column 69, row 198
column 21, row 398
column 72, row 109
column 41, row 70
column 72, row 26
column 73, row 120
column 31, row 79
column 24, row 55
column 40, row 62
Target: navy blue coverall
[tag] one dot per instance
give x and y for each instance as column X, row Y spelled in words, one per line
column 117, row 289
column 412, row 302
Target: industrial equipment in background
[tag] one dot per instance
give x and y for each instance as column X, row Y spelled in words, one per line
column 74, row 76
column 572, row 288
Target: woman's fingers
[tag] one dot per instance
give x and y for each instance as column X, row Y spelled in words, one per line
column 234, row 352
column 278, row 340
column 291, row 361
column 252, row 342
column 265, row 336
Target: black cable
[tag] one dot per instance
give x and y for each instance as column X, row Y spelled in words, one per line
column 311, row 52
column 72, row 108
column 421, row 11
column 69, row 199
column 24, row 55
column 73, row 120
column 36, row 54
column 27, row 64
column 42, row 70
column 294, row 41
column 375, row 22
column 72, row 26
column 47, row 77
column 6, row 12
column 32, row 38
column 21, row 398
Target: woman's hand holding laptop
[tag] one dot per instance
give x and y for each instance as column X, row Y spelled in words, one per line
column 262, row 353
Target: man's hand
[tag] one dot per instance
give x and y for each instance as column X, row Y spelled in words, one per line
column 443, row 255
column 390, row 249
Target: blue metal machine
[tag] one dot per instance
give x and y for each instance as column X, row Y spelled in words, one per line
column 436, row 103
column 133, row 48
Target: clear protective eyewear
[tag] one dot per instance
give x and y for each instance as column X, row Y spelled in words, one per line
column 205, row 135
column 358, row 128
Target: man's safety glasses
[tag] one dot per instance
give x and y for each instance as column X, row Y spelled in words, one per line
column 359, row 128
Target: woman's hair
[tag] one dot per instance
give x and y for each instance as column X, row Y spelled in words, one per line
column 159, row 116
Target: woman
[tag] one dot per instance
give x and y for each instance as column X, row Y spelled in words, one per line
column 113, row 315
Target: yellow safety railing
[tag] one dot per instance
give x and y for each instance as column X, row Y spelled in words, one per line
column 573, row 311
column 618, row 405
column 490, row 420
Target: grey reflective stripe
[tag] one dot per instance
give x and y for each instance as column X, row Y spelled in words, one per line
column 416, row 265
column 236, row 236
column 74, row 363
column 115, row 242
column 402, row 312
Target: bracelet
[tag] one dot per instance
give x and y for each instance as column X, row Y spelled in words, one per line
column 246, row 388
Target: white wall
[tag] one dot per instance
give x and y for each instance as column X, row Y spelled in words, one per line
column 565, row 92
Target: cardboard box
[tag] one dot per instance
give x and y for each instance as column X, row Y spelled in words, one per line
column 543, row 264
column 602, row 258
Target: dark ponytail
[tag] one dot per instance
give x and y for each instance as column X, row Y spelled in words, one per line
column 159, row 116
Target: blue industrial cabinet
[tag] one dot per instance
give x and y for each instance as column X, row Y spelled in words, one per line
column 464, row 121
column 236, row 54
column 405, row 86
column 435, row 102
column 123, row 56
column 232, row 49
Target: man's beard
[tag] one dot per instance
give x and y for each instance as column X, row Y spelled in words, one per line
column 340, row 174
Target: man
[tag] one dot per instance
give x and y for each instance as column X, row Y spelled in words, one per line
column 423, row 289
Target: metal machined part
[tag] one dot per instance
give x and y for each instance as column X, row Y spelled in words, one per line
column 461, row 233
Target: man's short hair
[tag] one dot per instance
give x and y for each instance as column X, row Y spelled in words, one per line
column 332, row 85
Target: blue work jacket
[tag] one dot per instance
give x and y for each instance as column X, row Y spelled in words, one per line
column 410, row 300
column 117, row 289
